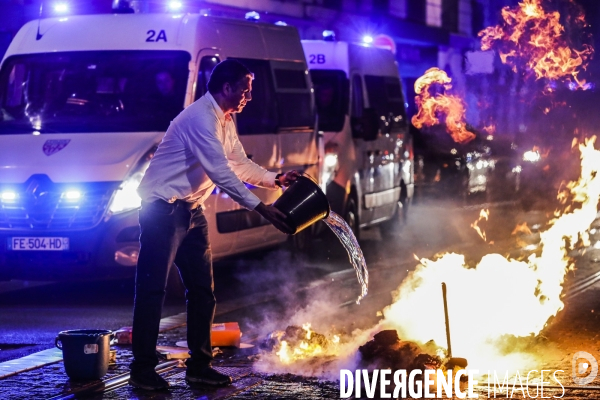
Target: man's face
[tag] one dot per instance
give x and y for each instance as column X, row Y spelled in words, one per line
column 238, row 95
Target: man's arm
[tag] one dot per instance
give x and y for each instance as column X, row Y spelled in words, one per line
column 274, row 216
column 204, row 144
column 246, row 169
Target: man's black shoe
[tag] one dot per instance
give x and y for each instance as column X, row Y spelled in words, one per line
column 148, row 380
column 207, row 376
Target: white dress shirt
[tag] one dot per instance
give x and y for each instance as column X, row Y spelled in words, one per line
column 201, row 149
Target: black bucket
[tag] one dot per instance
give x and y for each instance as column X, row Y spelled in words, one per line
column 86, row 352
column 304, row 203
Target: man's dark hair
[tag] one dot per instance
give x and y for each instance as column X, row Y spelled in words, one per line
column 227, row 71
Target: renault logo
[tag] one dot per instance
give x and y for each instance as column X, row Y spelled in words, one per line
column 54, row 146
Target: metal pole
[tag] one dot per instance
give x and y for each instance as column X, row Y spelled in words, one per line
column 447, row 321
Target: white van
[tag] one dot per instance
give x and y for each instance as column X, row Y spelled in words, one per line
column 368, row 166
column 84, row 102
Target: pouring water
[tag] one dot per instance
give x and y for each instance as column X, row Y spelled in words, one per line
column 344, row 233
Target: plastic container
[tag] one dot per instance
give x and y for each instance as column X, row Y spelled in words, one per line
column 304, row 203
column 86, row 352
column 226, row 334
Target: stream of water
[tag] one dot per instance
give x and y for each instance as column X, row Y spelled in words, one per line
column 344, row 233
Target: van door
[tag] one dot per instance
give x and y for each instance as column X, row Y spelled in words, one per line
column 382, row 190
column 364, row 152
column 223, row 239
column 257, row 129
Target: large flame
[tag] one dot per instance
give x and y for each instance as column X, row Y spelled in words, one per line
column 533, row 38
column 501, row 298
column 434, row 104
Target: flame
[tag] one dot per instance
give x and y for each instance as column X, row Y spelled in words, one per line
column 433, row 103
column 535, row 38
column 310, row 347
column 515, row 298
column 484, row 214
column 521, row 228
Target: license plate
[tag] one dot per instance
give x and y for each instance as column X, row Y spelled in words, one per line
column 38, row 243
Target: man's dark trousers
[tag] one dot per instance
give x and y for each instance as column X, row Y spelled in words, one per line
column 172, row 233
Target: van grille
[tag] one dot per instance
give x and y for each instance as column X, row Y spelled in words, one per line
column 43, row 205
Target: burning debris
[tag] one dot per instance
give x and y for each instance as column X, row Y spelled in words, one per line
column 388, row 351
column 435, row 106
column 533, row 40
column 535, row 286
column 300, row 343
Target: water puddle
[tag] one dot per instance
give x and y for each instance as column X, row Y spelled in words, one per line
column 344, row 233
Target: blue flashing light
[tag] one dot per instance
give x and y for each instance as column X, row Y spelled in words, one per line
column 368, row 39
column 61, row 8
column 252, row 16
column 175, row 5
column 280, row 23
column 329, row 36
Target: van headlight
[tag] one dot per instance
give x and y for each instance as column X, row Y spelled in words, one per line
column 126, row 198
column 329, row 167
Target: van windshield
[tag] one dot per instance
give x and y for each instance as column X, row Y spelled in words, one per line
column 92, row 91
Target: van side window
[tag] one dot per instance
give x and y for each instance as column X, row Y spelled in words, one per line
column 206, row 66
column 331, row 97
column 294, row 100
column 290, row 79
column 260, row 114
column 358, row 103
column 385, row 96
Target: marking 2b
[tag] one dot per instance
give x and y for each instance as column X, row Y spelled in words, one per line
column 316, row 58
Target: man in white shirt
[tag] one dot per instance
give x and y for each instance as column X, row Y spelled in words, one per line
column 200, row 149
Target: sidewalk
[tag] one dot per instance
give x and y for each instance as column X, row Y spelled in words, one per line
column 51, row 382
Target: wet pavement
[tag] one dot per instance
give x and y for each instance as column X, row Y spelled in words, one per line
column 269, row 291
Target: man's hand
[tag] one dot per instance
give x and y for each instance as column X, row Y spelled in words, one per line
column 274, row 216
column 289, row 177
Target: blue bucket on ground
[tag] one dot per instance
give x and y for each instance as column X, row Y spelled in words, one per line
column 86, row 352
column 304, row 203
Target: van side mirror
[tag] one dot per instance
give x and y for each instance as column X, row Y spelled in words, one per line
column 366, row 127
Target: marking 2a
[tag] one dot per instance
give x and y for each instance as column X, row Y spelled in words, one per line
column 156, row 36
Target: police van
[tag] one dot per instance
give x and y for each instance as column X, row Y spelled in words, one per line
column 84, row 103
column 368, row 164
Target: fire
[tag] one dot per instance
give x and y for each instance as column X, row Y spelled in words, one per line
column 433, row 103
column 521, row 228
column 531, row 36
column 304, row 345
column 484, row 214
column 511, row 299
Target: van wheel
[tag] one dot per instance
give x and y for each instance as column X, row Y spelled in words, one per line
column 175, row 287
column 351, row 217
